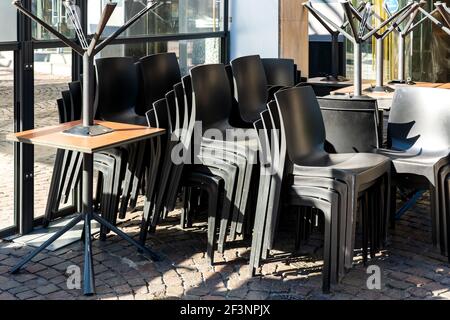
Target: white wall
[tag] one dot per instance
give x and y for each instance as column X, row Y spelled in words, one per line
column 254, row 28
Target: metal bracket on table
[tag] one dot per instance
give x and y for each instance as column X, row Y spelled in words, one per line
column 88, row 52
column 358, row 34
column 380, row 36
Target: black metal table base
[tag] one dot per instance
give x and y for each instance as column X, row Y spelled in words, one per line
column 88, row 275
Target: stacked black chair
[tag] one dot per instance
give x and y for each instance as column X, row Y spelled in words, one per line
column 320, row 90
column 303, row 129
column 213, row 176
column 158, row 74
column 116, row 100
column 281, row 72
column 418, row 143
column 66, row 174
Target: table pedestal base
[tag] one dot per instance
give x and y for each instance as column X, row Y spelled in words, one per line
column 381, row 89
column 334, row 79
column 87, row 215
column 90, row 131
column 88, row 274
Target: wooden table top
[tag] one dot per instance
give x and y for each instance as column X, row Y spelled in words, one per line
column 389, row 95
column 444, row 86
column 337, row 84
column 53, row 136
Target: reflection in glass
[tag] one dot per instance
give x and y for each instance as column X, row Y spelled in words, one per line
column 52, row 73
column 170, row 17
column 427, row 51
column 6, row 148
column 8, row 17
column 54, row 13
column 189, row 52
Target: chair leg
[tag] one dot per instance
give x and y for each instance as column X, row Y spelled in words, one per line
column 299, row 230
column 393, row 206
column 365, row 226
column 138, row 176
column 128, row 180
column 434, row 211
column 213, row 197
column 54, row 186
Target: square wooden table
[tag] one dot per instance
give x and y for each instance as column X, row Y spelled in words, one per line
column 385, row 98
column 56, row 137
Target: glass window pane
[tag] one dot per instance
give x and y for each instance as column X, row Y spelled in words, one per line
column 8, row 17
column 52, row 73
column 6, row 148
column 189, row 52
column 54, row 13
column 171, row 17
column 426, row 48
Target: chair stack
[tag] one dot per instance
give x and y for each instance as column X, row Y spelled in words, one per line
column 418, row 143
column 248, row 143
column 67, row 168
column 336, row 184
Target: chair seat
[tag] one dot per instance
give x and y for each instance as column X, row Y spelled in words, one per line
column 354, row 162
column 424, row 163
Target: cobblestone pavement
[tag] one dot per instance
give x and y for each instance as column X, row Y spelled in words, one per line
column 411, row 268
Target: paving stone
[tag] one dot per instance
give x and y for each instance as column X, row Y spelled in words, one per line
column 45, row 290
column 412, row 268
column 26, row 294
column 7, row 296
column 257, row 295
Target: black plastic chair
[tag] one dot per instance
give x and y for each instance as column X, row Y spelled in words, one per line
column 303, row 128
column 159, row 73
column 320, row 90
column 116, row 100
column 418, row 143
column 272, row 164
column 280, row 72
column 117, row 90
column 250, row 87
column 212, row 103
column 351, row 124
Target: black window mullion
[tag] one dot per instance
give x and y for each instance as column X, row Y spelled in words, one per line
column 24, row 120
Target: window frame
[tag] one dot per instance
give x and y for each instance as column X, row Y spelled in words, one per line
column 23, row 48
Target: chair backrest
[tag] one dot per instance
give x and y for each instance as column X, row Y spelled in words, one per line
column 67, row 102
column 235, row 116
column 61, row 112
column 173, row 110
column 302, row 124
column 181, row 107
column 319, row 90
column 419, row 119
column 250, row 87
column 278, row 142
column 280, row 72
column 117, row 86
column 211, row 95
column 162, row 115
column 76, row 96
column 187, row 88
column 351, row 124
column 159, row 73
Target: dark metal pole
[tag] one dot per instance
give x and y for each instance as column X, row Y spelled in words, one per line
column 88, row 173
column 335, row 55
column 87, row 93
